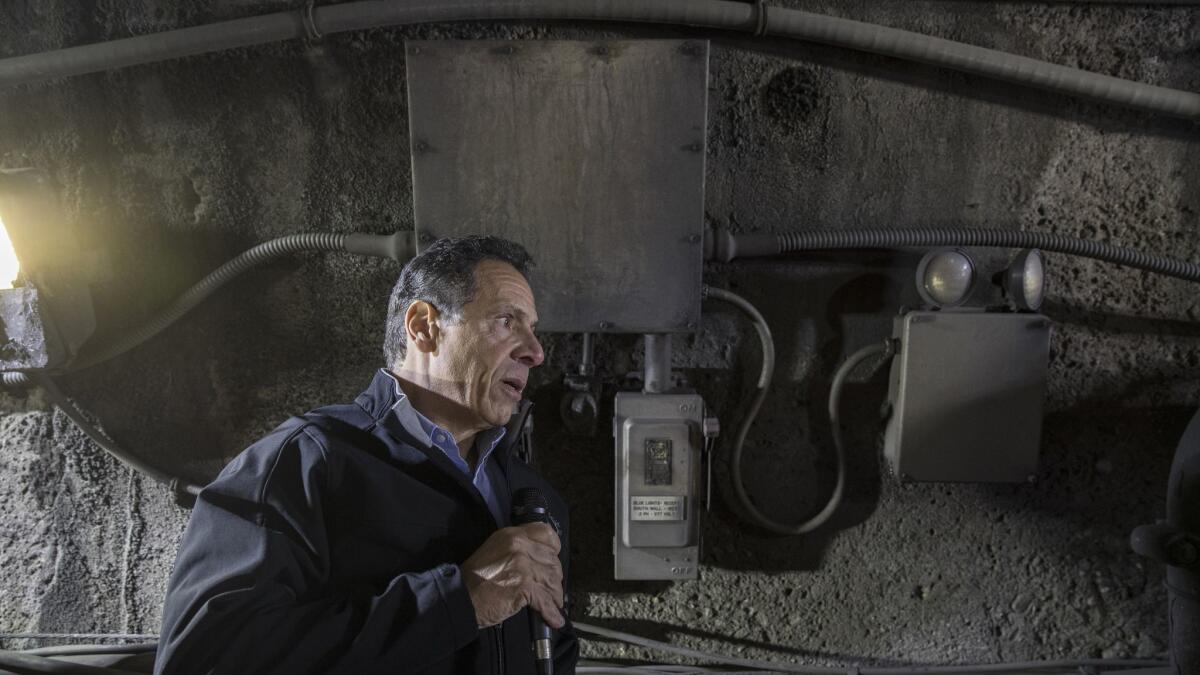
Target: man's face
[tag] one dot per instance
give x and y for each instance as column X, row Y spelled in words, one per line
column 486, row 356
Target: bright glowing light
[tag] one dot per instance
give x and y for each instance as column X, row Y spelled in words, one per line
column 9, row 267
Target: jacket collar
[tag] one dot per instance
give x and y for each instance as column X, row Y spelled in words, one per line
column 394, row 412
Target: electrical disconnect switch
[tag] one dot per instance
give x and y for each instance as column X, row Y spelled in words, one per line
column 659, row 441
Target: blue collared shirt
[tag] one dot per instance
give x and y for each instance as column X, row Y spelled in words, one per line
column 486, row 476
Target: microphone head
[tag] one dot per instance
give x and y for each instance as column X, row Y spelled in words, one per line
column 529, row 506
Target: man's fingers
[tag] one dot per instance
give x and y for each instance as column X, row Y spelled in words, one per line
column 542, row 534
column 548, row 608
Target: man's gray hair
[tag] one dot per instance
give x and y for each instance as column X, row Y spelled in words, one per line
column 444, row 276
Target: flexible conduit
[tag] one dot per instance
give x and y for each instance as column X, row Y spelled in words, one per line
column 198, row 293
column 764, row 382
column 759, row 19
column 729, row 246
column 398, row 246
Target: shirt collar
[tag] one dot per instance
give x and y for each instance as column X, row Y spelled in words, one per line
column 418, row 426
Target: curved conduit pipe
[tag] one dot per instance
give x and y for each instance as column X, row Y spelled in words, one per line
column 758, row 18
column 398, row 246
column 726, row 246
column 764, row 382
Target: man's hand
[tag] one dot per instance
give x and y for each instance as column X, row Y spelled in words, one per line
column 515, row 567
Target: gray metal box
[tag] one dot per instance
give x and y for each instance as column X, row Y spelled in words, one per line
column 658, row 444
column 590, row 154
column 967, row 391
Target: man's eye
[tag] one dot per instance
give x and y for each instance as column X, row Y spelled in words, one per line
column 506, row 319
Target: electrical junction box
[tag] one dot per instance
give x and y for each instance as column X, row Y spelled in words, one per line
column 590, row 154
column 659, row 442
column 966, row 396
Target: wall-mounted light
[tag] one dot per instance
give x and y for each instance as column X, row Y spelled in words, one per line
column 945, row 277
column 45, row 304
column 1024, row 282
column 10, row 267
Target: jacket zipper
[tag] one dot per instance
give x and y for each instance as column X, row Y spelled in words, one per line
column 498, row 631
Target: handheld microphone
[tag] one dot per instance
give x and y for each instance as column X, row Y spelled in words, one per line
column 529, row 506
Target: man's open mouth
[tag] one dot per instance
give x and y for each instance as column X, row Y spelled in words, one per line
column 513, row 386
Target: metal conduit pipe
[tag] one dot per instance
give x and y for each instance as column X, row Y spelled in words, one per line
column 725, row 246
column 658, row 363
column 759, row 19
column 396, row 246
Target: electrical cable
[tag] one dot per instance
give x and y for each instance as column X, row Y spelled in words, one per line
column 783, row 666
column 648, row 668
column 88, row 650
column 178, row 485
column 728, row 246
column 764, row 382
column 78, row 636
column 22, row 663
column 718, row 14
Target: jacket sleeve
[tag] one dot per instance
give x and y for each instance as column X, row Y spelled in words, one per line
column 251, row 589
column 566, row 645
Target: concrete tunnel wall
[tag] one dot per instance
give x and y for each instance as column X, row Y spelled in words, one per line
column 173, row 168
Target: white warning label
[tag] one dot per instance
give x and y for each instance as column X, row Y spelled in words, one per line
column 656, row 508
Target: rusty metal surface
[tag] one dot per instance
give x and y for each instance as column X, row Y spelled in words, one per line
column 591, row 154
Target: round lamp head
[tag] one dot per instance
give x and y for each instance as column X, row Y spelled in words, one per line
column 1025, row 280
column 945, row 277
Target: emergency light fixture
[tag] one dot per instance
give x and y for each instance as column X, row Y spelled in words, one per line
column 1024, row 282
column 945, row 277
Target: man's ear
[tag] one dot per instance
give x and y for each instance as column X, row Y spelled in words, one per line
column 421, row 326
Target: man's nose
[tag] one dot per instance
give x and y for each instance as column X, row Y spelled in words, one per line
column 530, row 353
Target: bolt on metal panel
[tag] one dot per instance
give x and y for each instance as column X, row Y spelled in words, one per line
column 590, row 154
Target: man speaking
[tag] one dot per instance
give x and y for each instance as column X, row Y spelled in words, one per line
column 374, row 537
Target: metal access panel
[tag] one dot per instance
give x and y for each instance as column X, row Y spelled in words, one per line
column 590, row 154
column 658, row 442
column 967, row 392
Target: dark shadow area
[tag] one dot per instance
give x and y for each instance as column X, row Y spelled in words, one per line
column 1101, row 464
column 1126, row 324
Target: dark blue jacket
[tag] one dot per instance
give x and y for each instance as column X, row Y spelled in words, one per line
column 333, row 545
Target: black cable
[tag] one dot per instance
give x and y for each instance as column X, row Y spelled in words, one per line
column 785, row 667
column 178, row 485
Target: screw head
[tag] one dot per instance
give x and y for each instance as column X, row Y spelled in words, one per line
column 693, row 239
column 605, row 325
column 421, row 146
column 414, row 50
